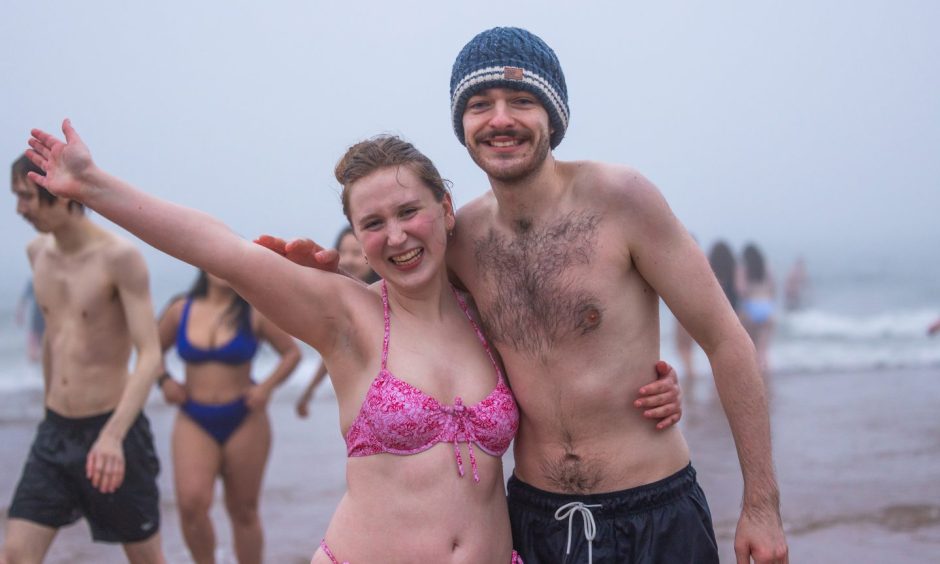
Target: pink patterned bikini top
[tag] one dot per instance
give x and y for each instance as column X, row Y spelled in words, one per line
column 398, row 418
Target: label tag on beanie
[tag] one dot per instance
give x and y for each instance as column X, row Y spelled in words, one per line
column 512, row 73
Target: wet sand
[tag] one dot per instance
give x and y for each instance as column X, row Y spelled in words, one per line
column 857, row 455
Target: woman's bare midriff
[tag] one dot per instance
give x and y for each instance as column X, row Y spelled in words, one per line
column 416, row 508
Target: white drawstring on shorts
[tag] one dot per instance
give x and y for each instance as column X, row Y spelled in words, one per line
column 567, row 511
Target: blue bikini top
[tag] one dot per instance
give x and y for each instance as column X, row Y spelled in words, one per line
column 240, row 349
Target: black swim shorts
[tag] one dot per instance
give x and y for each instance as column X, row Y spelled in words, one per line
column 664, row 522
column 53, row 490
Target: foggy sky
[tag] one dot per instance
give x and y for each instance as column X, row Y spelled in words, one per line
column 810, row 127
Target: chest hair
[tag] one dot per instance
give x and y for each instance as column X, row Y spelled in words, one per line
column 534, row 294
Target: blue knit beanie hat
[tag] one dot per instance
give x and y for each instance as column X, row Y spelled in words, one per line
column 509, row 57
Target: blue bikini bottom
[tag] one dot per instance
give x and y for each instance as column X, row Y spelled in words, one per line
column 219, row 420
column 759, row 310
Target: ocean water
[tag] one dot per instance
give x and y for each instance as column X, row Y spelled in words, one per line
column 868, row 317
column 816, row 339
column 858, row 316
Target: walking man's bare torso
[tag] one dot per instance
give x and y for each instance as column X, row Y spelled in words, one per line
column 87, row 343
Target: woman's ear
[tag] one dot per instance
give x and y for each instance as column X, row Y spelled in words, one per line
column 450, row 217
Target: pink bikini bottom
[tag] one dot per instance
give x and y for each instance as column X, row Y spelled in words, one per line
column 516, row 559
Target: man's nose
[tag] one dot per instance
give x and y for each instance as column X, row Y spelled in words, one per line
column 501, row 117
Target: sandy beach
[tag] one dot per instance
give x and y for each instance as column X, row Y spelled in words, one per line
column 857, row 454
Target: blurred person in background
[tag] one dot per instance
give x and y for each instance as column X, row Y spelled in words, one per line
column 35, row 326
column 796, row 286
column 721, row 259
column 758, row 301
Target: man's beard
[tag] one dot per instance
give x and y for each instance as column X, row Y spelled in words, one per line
column 517, row 171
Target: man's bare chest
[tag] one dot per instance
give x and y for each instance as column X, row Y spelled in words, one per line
column 534, row 287
column 73, row 287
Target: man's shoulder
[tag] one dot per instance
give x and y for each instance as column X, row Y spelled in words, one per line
column 610, row 184
column 605, row 175
column 117, row 249
column 120, row 259
column 37, row 245
column 473, row 221
column 476, row 209
column 475, row 217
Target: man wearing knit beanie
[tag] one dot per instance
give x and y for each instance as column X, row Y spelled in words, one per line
column 566, row 262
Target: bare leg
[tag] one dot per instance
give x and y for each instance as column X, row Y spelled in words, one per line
column 149, row 551
column 245, row 455
column 197, row 460
column 26, row 542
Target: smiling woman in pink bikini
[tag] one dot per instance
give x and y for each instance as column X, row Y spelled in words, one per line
column 424, row 407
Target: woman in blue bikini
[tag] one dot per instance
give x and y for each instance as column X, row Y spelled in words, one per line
column 758, row 301
column 222, row 429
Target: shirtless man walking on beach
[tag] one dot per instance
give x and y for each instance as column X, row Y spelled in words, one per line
column 93, row 454
column 566, row 262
